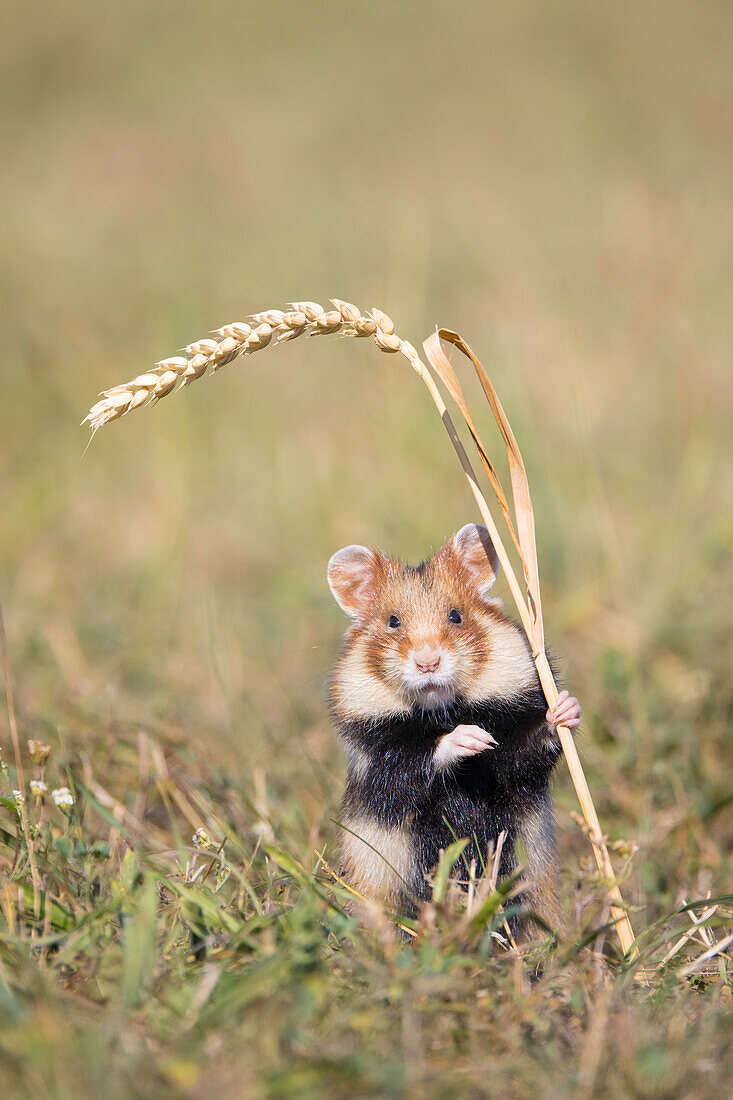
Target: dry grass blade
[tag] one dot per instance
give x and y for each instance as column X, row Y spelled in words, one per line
column 276, row 326
column 718, row 949
column 697, row 924
column 523, row 510
column 448, row 377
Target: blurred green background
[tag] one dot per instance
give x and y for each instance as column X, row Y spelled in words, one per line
column 551, row 179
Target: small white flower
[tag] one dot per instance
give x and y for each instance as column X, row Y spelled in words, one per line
column 38, row 788
column 63, row 798
column 201, row 839
column 18, row 797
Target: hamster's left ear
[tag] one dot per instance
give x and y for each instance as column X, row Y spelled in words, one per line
column 475, row 551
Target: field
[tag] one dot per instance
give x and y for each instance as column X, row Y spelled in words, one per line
column 553, row 181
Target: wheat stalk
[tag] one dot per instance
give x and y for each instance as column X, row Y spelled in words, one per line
column 311, row 319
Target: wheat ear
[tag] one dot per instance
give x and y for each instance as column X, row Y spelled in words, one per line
column 227, row 343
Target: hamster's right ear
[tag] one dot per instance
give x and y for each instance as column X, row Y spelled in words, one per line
column 353, row 575
column 476, row 553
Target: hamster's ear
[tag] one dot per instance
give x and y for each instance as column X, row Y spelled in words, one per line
column 353, row 576
column 475, row 551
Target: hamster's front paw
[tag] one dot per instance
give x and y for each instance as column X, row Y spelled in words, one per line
column 460, row 743
column 566, row 713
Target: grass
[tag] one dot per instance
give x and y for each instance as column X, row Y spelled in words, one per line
column 169, row 589
column 165, row 968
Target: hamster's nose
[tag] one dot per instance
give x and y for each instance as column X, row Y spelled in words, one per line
column 427, row 660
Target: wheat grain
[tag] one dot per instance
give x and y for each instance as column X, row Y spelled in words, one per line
column 271, row 327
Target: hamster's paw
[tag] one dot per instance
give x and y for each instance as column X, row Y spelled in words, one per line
column 566, row 713
column 460, row 743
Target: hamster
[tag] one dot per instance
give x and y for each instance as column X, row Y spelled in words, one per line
column 439, row 709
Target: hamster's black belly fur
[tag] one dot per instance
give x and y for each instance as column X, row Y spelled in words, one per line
column 394, row 783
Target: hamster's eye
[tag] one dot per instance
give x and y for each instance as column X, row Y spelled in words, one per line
column 394, row 622
column 454, row 616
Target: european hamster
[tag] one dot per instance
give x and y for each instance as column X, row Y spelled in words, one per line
column 438, row 706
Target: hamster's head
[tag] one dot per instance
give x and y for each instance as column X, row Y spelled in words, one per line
column 421, row 635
